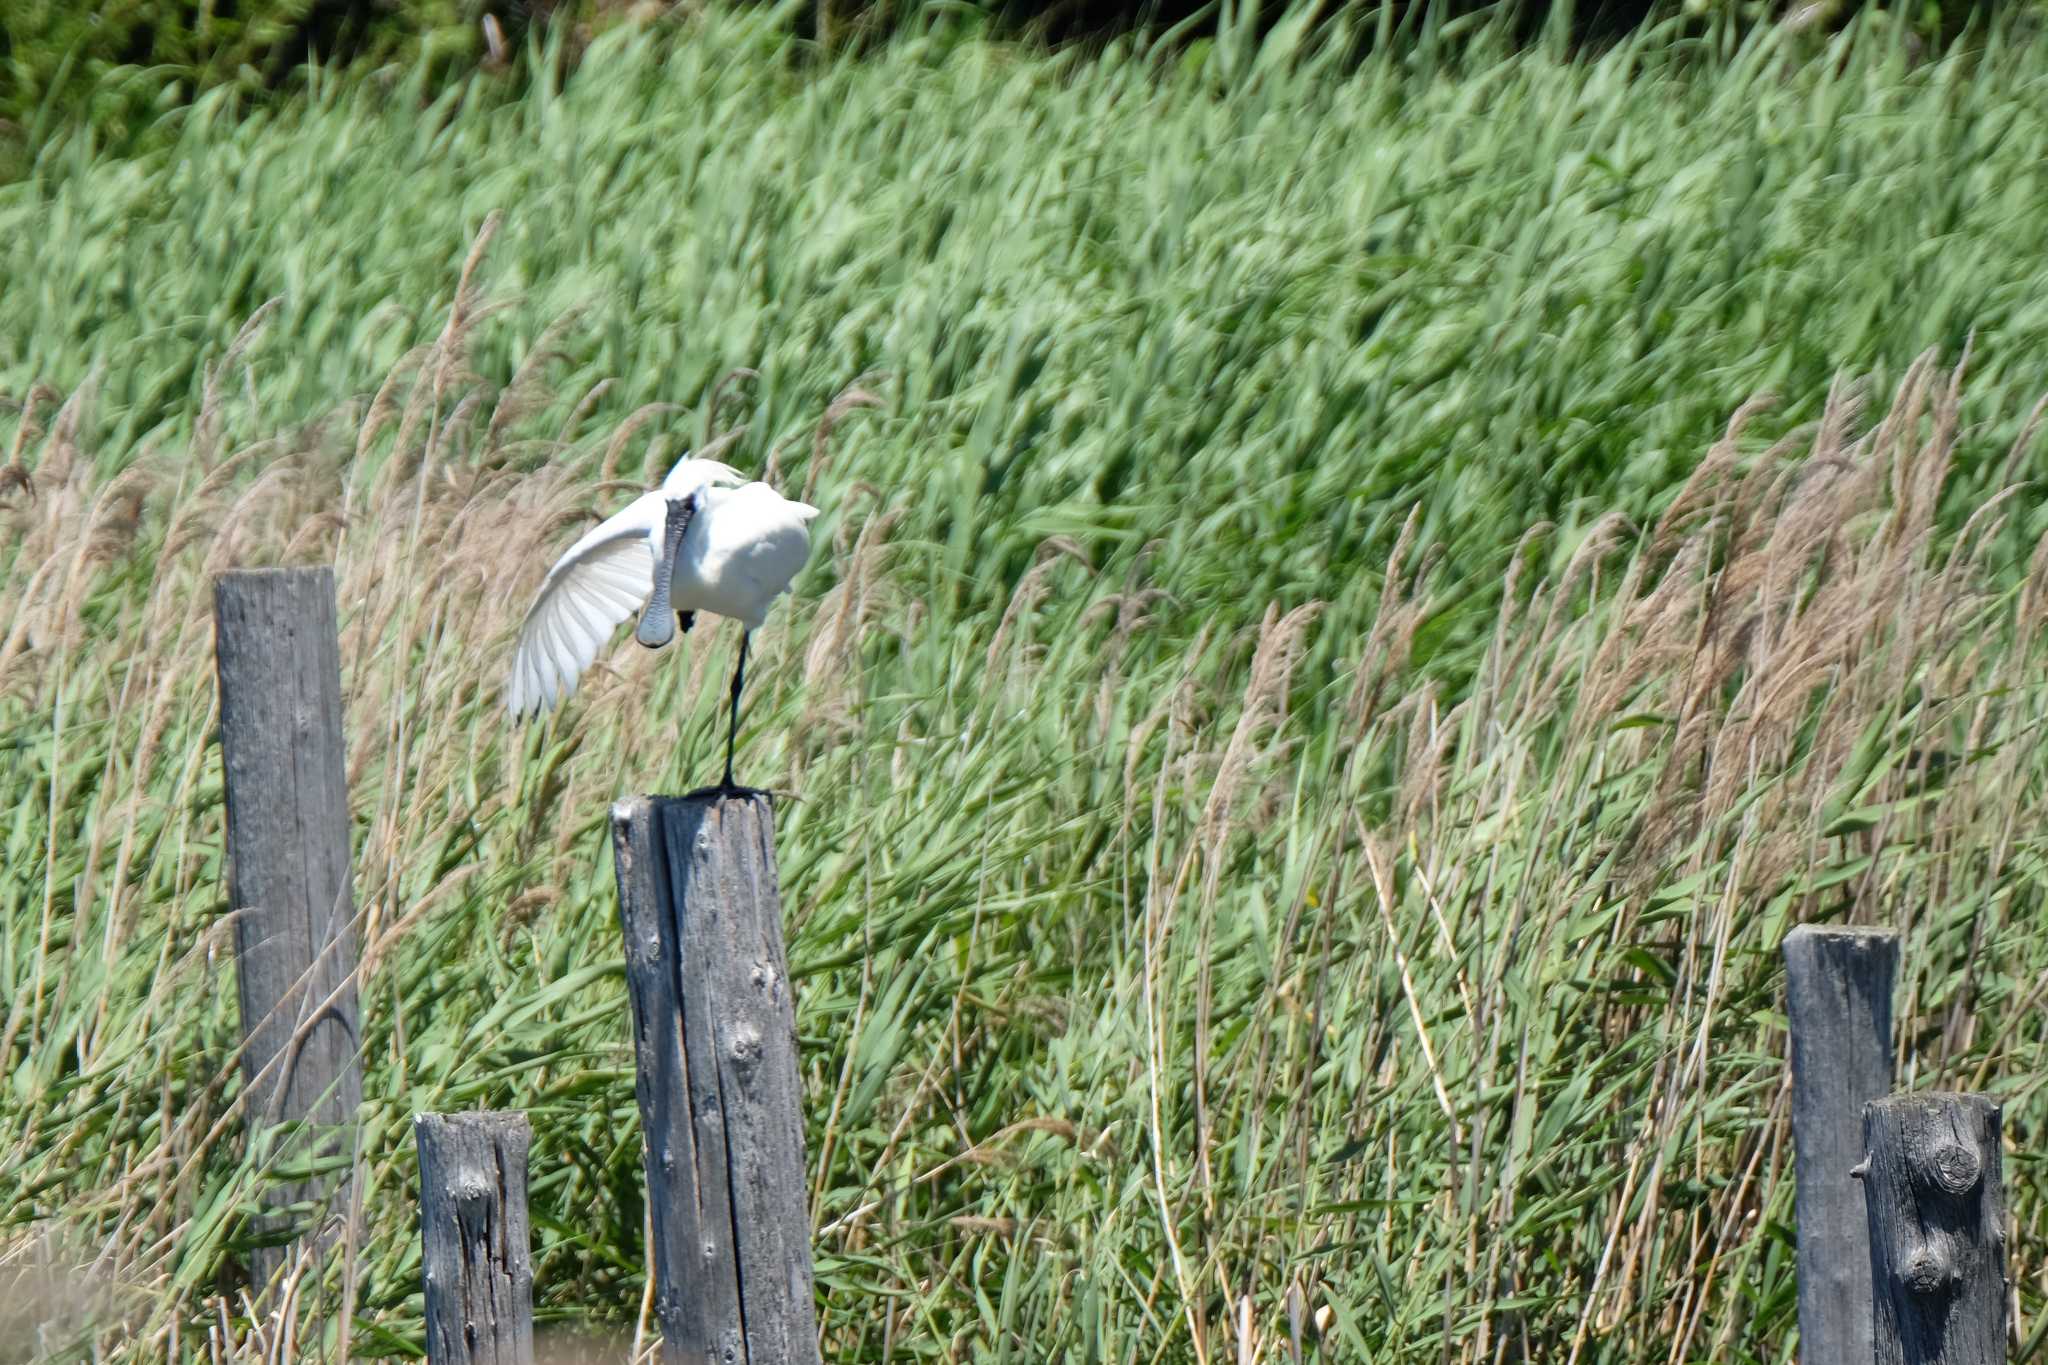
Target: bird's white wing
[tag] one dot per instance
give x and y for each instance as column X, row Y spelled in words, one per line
column 603, row 579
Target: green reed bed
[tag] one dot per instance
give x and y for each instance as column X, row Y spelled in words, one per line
column 1302, row 731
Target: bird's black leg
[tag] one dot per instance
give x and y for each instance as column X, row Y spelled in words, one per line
column 730, row 788
column 732, row 731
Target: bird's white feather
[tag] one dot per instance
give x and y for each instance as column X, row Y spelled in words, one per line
column 691, row 474
column 742, row 550
column 603, row 579
column 743, row 546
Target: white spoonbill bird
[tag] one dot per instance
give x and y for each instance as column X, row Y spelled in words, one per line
column 706, row 540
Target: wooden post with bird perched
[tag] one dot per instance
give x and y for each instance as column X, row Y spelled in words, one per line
column 279, row 659
column 714, row 1027
column 714, row 1034
column 475, row 1260
column 1838, row 995
column 1935, row 1197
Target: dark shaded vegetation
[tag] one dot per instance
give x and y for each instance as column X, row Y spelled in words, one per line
column 121, row 66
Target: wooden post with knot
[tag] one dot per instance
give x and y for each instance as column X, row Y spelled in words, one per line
column 1936, row 1198
column 721, row 1112
column 278, row 653
column 476, row 1256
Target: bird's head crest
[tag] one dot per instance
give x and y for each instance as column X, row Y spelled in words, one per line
column 693, row 475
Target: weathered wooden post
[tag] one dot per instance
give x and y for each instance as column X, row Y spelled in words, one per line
column 1936, row 1198
column 279, row 660
column 475, row 1248
column 1838, row 989
column 714, row 1032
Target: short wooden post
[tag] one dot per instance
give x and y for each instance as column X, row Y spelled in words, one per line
column 279, row 659
column 1935, row 1192
column 1838, row 989
column 714, row 1031
column 475, row 1243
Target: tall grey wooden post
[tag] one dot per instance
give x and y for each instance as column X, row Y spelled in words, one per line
column 279, row 660
column 1936, row 1199
column 475, row 1242
column 1838, row 988
column 714, row 1033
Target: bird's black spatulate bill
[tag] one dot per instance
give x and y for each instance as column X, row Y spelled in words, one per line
column 657, row 623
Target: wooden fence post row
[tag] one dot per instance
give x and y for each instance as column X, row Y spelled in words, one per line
column 279, row 660
column 714, row 1033
column 475, row 1242
column 1916, row 1275
column 714, row 1023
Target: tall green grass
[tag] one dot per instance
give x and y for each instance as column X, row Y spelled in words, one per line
column 1302, row 734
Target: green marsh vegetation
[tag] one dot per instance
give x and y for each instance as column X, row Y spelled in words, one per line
column 1317, row 697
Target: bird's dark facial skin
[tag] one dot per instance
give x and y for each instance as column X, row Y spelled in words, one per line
column 656, row 627
column 680, row 510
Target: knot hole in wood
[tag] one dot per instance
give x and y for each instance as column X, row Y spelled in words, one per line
column 1928, row 1271
column 1951, row 1166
